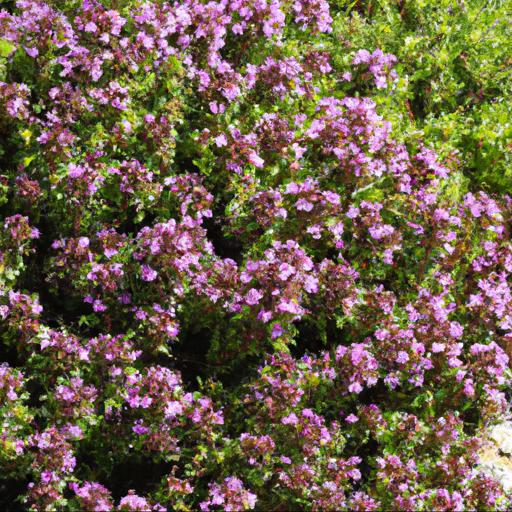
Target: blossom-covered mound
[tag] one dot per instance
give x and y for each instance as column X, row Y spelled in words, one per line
column 225, row 282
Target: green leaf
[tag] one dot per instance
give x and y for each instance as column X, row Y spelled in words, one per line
column 6, row 48
column 27, row 160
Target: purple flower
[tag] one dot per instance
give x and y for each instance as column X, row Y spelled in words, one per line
column 402, row 357
column 253, row 296
column 277, row 331
column 148, row 274
column 221, row 140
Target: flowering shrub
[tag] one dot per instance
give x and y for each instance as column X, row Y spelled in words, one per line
column 453, row 76
column 227, row 280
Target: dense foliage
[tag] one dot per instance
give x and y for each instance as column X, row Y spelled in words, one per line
column 256, row 253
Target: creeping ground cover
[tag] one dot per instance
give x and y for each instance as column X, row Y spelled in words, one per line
column 255, row 254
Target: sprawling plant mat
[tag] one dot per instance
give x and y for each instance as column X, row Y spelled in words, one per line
column 255, row 254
